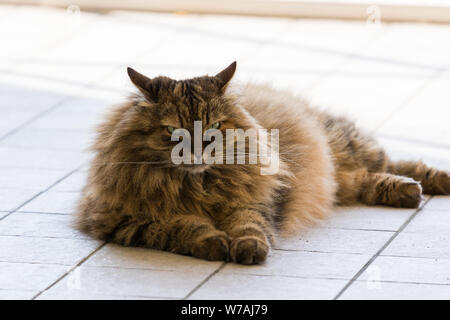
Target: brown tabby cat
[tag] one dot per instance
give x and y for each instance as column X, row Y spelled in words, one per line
column 136, row 196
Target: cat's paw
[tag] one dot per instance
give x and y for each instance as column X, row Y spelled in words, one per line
column 441, row 183
column 409, row 194
column 212, row 247
column 248, row 250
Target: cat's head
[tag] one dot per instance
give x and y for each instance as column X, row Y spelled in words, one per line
column 144, row 131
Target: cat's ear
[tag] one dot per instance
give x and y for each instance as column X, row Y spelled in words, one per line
column 143, row 83
column 225, row 75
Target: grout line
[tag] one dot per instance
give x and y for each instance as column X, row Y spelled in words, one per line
column 41, row 192
column 346, row 59
column 355, row 229
column 320, row 251
column 378, row 253
column 429, row 80
column 39, row 263
column 44, row 213
column 204, row 281
column 69, row 271
column 34, row 118
column 411, row 282
column 47, row 237
column 214, row 272
column 415, row 257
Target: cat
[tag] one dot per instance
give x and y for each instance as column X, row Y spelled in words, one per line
column 136, row 196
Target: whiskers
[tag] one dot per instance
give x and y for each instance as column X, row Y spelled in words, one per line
column 159, row 164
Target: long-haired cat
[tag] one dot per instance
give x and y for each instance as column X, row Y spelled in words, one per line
column 137, row 196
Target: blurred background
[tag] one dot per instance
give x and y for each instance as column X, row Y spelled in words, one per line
column 366, row 58
column 384, row 63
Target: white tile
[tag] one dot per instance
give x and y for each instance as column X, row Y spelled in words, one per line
column 73, row 183
column 11, row 199
column 128, row 282
column 439, row 203
column 128, row 257
column 27, row 276
column 5, row 11
column 403, row 269
column 413, row 44
column 275, row 57
column 396, row 291
column 19, row 104
column 16, row 294
column 431, row 126
column 309, row 46
column 244, row 287
column 122, row 40
column 60, row 119
column 49, row 139
column 8, row 125
column 29, row 178
column 430, row 221
column 83, row 295
column 405, row 149
column 336, row 37
column 200, row 49
column 41, row 158
column 22, row 100
column 78, row 115
column 83, row 60
column 45, row 250
column 35, row 77
column 41, row 27
column 304, row 264
column 40, row 225
column 86, row 106
column 428, row 245
column 2, row 214
column 363, row 63
column 366, row 99
column 107, row 92
column 368, row 218
column 252, row 29
column 337, row 240
column 53, row 202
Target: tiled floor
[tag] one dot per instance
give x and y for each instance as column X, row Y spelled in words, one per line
column 59, row 73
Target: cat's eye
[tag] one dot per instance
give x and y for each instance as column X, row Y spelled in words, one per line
column 170, row 129
column 215, row 125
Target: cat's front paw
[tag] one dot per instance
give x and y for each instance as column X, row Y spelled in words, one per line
column 212, row 247
column 409, row 194
column 248, row 250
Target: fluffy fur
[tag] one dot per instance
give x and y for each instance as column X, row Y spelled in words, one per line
column 135, row 195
